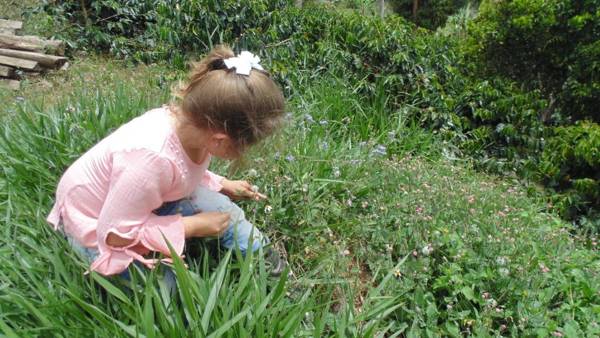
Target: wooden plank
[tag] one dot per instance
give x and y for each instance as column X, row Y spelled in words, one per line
column 32, row 43
column 7, row 71
column 11, row 24
column 45, row 60
column 11, row 84
column 8, row 31
column 19, row 63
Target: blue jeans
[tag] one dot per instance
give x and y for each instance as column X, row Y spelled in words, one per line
column 240, row 233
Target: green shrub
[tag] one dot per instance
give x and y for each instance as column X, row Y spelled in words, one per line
column 116, row 27
column 571, row 164
column 550, row 45
column 430, row 13
column 151, row 30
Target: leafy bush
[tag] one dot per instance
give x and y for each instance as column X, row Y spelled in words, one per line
column 571, row 163
column 118, row 27
column 430, row 13
column 551, row 45
column 151, row 30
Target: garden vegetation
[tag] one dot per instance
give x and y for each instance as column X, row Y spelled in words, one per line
column 375, row 187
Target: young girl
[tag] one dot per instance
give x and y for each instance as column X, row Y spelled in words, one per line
column 147, row 183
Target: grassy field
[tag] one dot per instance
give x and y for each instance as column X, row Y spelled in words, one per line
column 386, row 235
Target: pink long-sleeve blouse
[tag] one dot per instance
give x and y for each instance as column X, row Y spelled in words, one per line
column 115, row 186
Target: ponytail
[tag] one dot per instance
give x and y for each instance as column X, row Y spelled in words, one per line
column 213, row 61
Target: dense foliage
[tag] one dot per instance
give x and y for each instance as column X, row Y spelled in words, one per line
column 553, row 47
column 428, row 13
column 571, row 163
column 549, row 45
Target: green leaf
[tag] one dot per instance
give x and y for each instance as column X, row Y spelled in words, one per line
column 227, row 325
column 468, row 293
column 110, row 288
column 214, row 292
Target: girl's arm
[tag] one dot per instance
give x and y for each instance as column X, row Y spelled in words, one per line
column 206, row 224
column 212, row 181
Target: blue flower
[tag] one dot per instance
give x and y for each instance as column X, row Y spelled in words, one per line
column 309, row 118
column 290, row 158
column 379, row 150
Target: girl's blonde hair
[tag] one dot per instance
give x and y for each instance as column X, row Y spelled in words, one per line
column 245, row 107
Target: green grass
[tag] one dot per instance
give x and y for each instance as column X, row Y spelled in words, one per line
column 385, row 236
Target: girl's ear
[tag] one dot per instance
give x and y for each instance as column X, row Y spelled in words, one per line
column 219, row 138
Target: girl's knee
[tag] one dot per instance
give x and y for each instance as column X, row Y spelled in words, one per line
column 204, row 199
column 246, row 236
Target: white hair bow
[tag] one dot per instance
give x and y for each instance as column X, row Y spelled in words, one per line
column 243, row 63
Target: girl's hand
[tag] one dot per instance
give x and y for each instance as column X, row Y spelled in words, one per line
column 206, row 224
column 241, row 190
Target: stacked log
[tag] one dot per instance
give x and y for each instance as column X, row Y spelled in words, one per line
column 23, row 55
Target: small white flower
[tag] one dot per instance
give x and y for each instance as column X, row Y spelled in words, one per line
column 252, row 173
column 427, row 250
column 504, row 271
column 255, row 188
column 268, row 209
column 336, row 172
column 501, row 261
